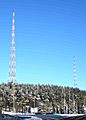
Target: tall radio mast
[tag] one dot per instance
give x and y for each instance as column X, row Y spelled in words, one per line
column 12, row 65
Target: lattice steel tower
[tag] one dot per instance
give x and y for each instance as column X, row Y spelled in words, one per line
column 12, row 64
column 74, row 70
column 75, row 85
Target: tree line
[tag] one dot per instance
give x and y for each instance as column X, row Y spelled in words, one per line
column 47, row 98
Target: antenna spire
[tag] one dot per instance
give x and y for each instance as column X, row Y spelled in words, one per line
column 75, row 85
column 74, row 71
column 12, row 64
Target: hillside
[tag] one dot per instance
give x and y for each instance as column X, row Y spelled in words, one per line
column 45, row 97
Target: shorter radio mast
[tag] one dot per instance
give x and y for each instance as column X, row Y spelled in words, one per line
column 75, row 85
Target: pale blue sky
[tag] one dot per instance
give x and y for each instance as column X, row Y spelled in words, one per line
column 48, row 33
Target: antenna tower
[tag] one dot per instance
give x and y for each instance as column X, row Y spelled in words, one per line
column 12, row 65
column 74, row 70
column 75, row 85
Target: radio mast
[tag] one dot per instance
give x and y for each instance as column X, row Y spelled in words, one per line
column 74, row 71
column 12, row 65
column 75, row 84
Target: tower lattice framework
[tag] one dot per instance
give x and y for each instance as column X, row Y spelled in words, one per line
column 74, row 70
column 12, row 64
column 75, row 85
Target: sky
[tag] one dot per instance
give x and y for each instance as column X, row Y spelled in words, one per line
column 48, row 33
